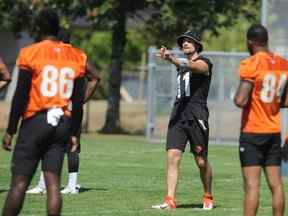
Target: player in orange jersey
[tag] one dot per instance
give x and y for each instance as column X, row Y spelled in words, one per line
column 73, row 158
column 263, row 77
column 50, row 76
column 4, row 74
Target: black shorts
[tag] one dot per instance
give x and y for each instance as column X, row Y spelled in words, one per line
column 194, row 131
column 260, row 149
column 37, row 140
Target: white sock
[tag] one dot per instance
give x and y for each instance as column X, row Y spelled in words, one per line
column 72, row 181
column 41, row 182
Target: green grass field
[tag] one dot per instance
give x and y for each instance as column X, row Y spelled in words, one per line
column 124, row 176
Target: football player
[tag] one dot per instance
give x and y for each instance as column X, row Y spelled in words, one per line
column 50, row 77
column 73, row 157
column 263, row 77
column 189, row 117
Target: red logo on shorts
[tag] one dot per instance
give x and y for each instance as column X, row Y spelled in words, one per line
column 198, row 149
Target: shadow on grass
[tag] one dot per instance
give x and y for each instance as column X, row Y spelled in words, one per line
column 193, row 206
column 85, row 189
column 3, row 191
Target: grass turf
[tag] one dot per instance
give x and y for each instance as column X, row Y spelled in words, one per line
column 124, row 176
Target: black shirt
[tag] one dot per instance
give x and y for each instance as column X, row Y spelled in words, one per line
column 192, row 94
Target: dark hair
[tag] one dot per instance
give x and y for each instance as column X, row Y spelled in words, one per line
column 64, row 35
column 259, row 33
column 47, row 22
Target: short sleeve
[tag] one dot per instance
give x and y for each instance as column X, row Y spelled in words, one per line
column 83, row 64
column 23, row 61
column 207, row 61
column 248, row 69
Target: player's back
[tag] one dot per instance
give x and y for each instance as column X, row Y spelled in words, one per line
column 268, row 72
column 54, row 68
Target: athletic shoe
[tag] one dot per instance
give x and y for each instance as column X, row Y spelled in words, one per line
column 78, row 186
column 36, row 190
column 169, row 203
column 70, row 190
column 208, row 202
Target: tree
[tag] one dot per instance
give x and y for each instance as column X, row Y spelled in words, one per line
column 177, row 16
column 164, row 20
column 109, row 14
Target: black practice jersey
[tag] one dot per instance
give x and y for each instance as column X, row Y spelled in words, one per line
column 192, row 94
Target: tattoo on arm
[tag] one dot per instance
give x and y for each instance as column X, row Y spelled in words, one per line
column 243, row 93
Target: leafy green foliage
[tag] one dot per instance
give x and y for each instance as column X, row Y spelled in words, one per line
column 232, row 38
column 163, row 21
column 176, row 16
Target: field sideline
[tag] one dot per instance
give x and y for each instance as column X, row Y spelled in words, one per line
column 125, row 175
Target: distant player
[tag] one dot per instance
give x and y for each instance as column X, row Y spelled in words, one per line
column 50, row 77
column 5, row 76
column 189, row 117
column 263, row 77
column 73, row 157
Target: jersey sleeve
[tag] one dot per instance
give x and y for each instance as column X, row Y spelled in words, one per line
column 82, row 61
column 84, row 64
column 23, row 61
column 207, row 61
column 248, row 69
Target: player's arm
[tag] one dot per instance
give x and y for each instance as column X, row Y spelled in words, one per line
column 4, row 75
column 199, row 66
column 243, row 93
column 77, row 111
column 284, row 97
column 18, row 106
column 93, row 81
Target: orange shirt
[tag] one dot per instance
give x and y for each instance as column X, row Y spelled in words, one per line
column 268, row 72
column 54, row 67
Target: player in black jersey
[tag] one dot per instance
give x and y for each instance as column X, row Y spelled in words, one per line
column 189, row 117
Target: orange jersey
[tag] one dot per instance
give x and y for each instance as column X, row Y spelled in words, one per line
column 268, row 72
column 54, row 67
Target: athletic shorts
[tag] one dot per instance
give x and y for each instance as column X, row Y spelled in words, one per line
column 194, row 131
column 37, row 140
column 260, row 149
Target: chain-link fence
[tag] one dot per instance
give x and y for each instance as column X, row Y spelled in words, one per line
column 274, row 16
column 224, row 115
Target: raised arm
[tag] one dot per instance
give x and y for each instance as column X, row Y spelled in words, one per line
column 195, row 66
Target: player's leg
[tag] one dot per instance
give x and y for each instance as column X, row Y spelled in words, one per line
column 40, row 187
column 175, row 146
column 206, row 179
column 198, row 131
column 54, row 199
column 25, row 159
column 273, row 175
column 274, row 179
column 16, row 195
column 52, row 165
column 252, row 180
column 73, row 169
column 252, row 160
column 173, row 162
